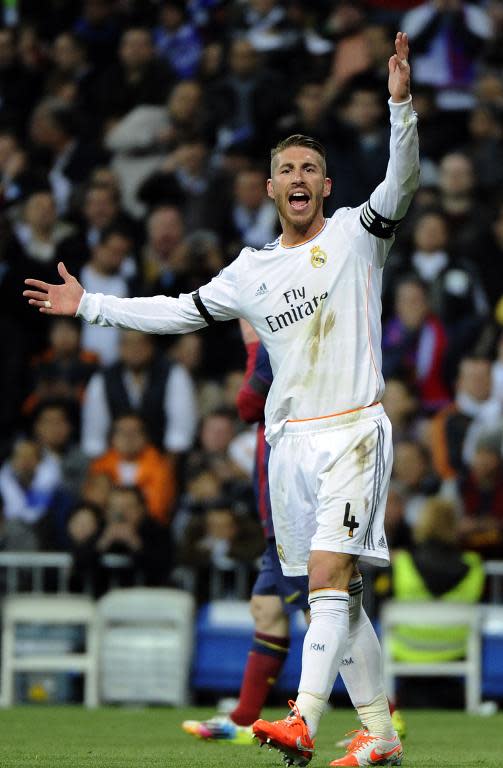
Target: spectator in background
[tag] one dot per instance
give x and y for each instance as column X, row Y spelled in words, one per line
column 252, row 218
column 28, row 483
column 446, row 38
column 485, row 148
column 101, row 209
column 401, row 406
column 164, row 253
column 103, row 274
column 53, row 429
column 126, row 529
column 413, row 477
column 142, row 380
column 219, row 537
column 185, row 176
column 16, row 179
column 63, row 370
column 140, row 140
column 187, row 350
column 39, row 231
column 455, row 292
column 481, row 494
column 70, row 64
column 437, row 568
column 216, row 434
column 309, row 116
column 83, row 529
column 133, row 460
column 414, row 345
column 466, row 216
column 130, row 530
column 435, row 139
column 358, row 154
column 177, row 40
column 457, row 427
column 19, row 88
column 247, row 100
column 97, row 27
column 14, row 537
column 136, row 78
column 96, row 489
column 54, row 127
column 398, row 531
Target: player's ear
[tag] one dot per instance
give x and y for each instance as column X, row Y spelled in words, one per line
column 270, row 190
column 327, row 187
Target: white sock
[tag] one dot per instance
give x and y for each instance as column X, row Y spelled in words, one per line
column 311, row 708
column 324, row 643
column 377, row 718
column 361, row 667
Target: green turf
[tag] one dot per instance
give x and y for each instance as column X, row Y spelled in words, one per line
column 108, row 738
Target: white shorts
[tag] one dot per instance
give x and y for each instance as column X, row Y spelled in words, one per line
column 329, row 482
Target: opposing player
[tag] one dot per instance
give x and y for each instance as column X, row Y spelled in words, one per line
column 313, row 297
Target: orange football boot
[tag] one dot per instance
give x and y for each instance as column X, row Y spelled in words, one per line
column 366, row 749
column 289, row 736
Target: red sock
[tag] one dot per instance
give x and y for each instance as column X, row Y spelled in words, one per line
column 267, row 656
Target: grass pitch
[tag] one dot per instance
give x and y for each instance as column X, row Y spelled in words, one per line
column 72, row 737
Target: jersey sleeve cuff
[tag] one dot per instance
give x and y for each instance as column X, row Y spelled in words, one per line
column 400, row 111
column 89, row 306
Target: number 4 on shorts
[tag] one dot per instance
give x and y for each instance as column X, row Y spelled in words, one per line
column 350, row 522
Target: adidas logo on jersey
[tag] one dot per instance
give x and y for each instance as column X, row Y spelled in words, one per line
column 381, row 542
column 262, row 290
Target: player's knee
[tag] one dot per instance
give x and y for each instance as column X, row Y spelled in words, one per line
column 267, row 612
column 330, row 570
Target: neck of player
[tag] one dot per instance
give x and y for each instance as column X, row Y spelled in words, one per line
column 296, row 234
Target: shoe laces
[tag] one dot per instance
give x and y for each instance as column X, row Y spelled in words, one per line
column 361, row 739
column 294, row 714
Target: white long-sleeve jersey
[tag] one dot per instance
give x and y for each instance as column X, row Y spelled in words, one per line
column 315, row 306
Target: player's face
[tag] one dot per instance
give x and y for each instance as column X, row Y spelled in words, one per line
column 298, row 186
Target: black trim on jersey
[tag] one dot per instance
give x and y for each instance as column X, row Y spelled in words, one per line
column 202, row 309
column 376, row 224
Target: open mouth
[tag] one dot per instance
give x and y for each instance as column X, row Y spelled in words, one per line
column 299, row 200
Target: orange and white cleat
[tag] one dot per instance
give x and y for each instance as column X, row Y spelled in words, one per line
column 289, row 736
column 367, row 749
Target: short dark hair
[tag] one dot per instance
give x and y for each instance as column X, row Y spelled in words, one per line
column 299, row 140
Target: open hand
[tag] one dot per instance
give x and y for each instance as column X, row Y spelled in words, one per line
column 399, row 69
column 56, row 299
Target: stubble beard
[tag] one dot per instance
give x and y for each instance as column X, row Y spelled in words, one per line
column 299, row 224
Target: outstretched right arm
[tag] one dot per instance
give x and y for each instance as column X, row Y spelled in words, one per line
column 153, row 314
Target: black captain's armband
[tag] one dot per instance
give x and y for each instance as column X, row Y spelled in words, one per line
column 202, row 309
column 376, row 224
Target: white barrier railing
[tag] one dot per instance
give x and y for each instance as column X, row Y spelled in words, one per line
column 27, row 572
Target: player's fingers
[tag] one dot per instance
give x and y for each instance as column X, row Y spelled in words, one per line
column 37, row 284
column 37, row 295
column 402, row 45
column 63, row 272
column 39, row 303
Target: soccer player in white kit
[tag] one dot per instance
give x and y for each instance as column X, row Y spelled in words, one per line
column 313, row 296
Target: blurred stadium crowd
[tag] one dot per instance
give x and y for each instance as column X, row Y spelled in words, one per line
column 134, row 145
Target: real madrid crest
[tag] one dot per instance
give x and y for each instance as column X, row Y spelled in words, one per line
column 318, row 257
